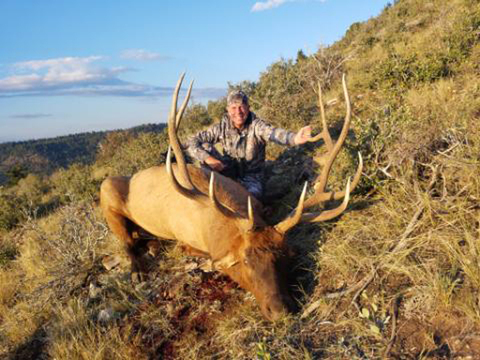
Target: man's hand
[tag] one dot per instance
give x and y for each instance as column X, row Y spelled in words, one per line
column 303, row 135
column 214, row 164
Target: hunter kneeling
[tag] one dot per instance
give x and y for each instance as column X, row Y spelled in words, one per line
column 243, row 137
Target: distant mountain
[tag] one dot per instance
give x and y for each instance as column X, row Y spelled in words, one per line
column 43, row 156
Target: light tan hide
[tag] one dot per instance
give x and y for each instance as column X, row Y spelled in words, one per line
column 216, row 217
column 149, row 200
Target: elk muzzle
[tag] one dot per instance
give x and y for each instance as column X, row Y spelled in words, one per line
column 273, row 307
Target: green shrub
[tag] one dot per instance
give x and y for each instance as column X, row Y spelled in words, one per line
column 285, row 93
column 8, row 251
column 12, row 210
column 195, row 118
column 216, row 109
column 464, row 34
column 74, row 183
column 137, row 153
column 401, row 72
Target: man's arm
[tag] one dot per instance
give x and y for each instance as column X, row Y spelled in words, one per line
column 214, row 164
column 195, row 147
column 282, row 136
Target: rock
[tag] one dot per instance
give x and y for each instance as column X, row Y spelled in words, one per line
column 414, row 23
column 105, row 316
column 94, row 291
column 170, row 309
column 331, row 102
column 207, row 266
column 110, row 261
column 154, row 248
column 191, row 266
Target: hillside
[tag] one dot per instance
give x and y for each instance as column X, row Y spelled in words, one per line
column 44, row 156
column 397, row 276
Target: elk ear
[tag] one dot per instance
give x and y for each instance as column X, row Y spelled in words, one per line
column 225, row 262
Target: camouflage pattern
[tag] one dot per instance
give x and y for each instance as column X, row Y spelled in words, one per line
column 237, row 96
column 254, row 185
column 243, row 150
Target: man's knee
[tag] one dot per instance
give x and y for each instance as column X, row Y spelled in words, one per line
column 253, row 185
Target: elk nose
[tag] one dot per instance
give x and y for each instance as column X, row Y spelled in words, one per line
column 274, row 310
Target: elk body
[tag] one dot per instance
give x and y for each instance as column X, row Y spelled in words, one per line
column 214, row 216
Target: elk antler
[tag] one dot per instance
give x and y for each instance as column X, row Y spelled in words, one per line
column 320, row 195
column 173, row 120
column 190, row 190
column 325, row 135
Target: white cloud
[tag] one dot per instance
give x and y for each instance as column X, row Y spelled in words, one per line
column 58, row 62
column 271, row 4
column 79, row 76
column 267, row 5
column 141, row 55
column 60, row 75
column 60, row 72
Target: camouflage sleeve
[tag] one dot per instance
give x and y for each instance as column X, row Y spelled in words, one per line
column 195, row 144
column 277, row 135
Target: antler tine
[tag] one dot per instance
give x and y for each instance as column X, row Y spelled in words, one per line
column 173, row 119
column 337, row 195
column 322, row 179
column 325, row 135
column 186, row 192
column 184, row 106
column 295, row 216
column 328, row 214
column 251, row 218
column 213, row 199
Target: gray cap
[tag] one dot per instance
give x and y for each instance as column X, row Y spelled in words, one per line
column 236, row 96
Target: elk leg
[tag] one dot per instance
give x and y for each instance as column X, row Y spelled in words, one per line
column 193, row 252
column 120, row 226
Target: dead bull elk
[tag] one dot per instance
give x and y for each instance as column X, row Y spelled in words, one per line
column 215, row 217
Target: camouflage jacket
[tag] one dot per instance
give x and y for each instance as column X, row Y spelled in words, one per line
column 243, row 150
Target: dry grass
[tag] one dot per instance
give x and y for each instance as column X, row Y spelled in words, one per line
column 48, row 307
column 396, row 276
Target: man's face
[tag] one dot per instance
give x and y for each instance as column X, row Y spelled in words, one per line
column 238, row 113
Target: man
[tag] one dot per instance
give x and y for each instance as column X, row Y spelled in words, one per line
column 243, row 137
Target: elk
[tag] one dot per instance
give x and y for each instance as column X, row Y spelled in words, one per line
column 215, row 217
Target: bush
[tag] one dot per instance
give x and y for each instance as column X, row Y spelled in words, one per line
column 8, row 252
column 138, row 153
column 75, row 183
column 12, row 210
column 285, row 94
column 401, row 72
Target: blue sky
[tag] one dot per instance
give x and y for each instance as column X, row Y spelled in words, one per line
column 69, row 66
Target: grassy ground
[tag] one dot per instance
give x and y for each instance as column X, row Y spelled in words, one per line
column 396, row 276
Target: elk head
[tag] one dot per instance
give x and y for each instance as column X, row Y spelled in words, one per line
column 254, row 257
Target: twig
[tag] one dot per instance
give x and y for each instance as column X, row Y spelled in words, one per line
column 413, row 222
column 384, row 170
column 448, row 150
column 367, row 280
column 393, row 334
column 337, row 294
